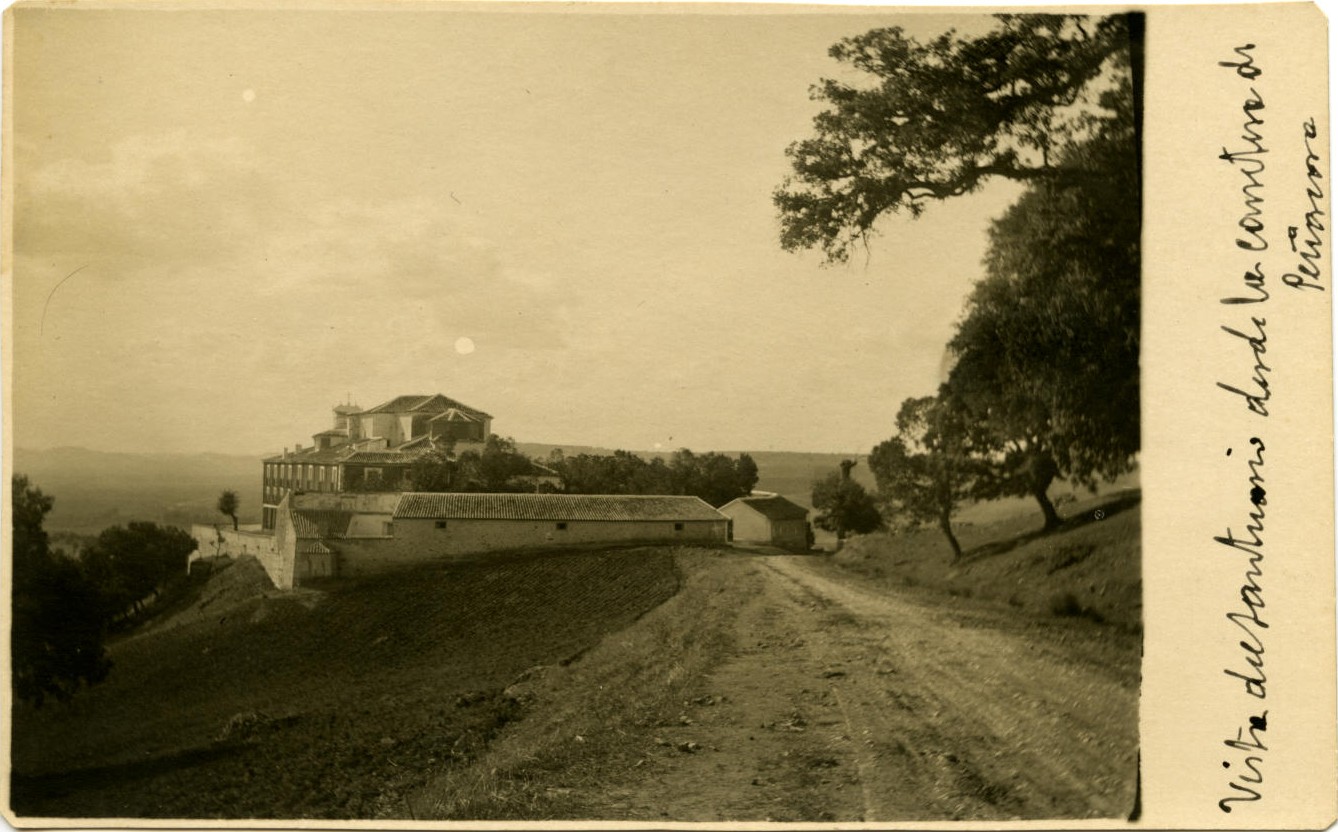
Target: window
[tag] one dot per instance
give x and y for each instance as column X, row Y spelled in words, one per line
column 562, row 527
column 678, row 527
column 441, row 524
column 388, row 529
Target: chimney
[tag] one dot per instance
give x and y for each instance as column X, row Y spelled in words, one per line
column 297, row 449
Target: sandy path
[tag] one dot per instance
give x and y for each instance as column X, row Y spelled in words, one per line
column 842, row 704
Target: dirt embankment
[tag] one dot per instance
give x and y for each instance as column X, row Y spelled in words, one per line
column 787, row 692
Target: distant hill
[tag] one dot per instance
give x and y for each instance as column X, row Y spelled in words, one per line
column 97, row 489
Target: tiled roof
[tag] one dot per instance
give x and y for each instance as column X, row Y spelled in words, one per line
column 775, row 507
column 552, row 507
column 312, row 547
column 333, row 432
column 382, row 457
column 321, row 522
column 435, row 403
column 313, row 454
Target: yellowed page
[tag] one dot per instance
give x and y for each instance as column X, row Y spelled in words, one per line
column 263, row 270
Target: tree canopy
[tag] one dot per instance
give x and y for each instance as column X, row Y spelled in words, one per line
column 433, row 471
column 57, row 630
column 131, row 562
column 227, row 506
column 1047, row 355
column 930, row 121
column 927, row 469
column 1045, row 360
column 499, row 467
column 714, row 477
column 843, row 505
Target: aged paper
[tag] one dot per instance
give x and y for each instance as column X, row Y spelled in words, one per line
column 1236, row 707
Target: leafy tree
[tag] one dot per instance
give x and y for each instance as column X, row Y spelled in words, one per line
column 132, row 562
column 57, row 632
column 498, row 468
column 227, row 505
column 927, row 469
column 716, row 478
column 370, row 481
column 935, row 120
column 746, row 474
column 1047, row 355
column 433, row 471
column 843, row 505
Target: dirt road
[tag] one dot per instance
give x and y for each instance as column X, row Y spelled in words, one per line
column 846, row 704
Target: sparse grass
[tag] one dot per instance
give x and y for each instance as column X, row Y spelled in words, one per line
column 338, row 709
column 581, row 715
column 1090, row 568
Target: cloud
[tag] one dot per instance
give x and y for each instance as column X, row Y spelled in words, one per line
column 184, row 223
column 164, row 199
column 214, row 288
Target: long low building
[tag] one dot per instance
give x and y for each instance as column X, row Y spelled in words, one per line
column 329, row 534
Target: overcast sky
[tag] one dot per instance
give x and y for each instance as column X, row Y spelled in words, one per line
column 227, row 222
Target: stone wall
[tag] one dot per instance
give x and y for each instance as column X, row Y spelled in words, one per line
column 248, row 541
column 416, row 541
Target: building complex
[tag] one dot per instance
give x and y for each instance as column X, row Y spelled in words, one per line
column 346, row 505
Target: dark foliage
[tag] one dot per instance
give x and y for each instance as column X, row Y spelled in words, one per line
column 498, row 468
column 227, row 505
column 714, row 477
column 927, row 469
column 433, row 471
column 1046, row 358
column 1048, row 353
column 56, row 636
column 130, row 563
column 843, row 506
column 936, row 120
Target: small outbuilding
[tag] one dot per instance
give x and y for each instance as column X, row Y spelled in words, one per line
column 768, row 518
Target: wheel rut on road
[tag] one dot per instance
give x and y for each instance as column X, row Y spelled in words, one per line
column 843, row 704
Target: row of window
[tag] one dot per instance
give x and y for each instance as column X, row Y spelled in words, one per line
column 300, row 470
column 302, row 475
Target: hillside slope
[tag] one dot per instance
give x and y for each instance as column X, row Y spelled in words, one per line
column 322, row 706
column 1091, row 567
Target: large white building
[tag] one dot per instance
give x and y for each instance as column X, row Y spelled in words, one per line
column 373, row 449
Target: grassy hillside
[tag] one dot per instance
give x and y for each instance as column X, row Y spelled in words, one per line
column 1089, row 568
column 260, row 704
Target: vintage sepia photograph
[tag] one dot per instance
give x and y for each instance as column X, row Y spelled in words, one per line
column 490, row 412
